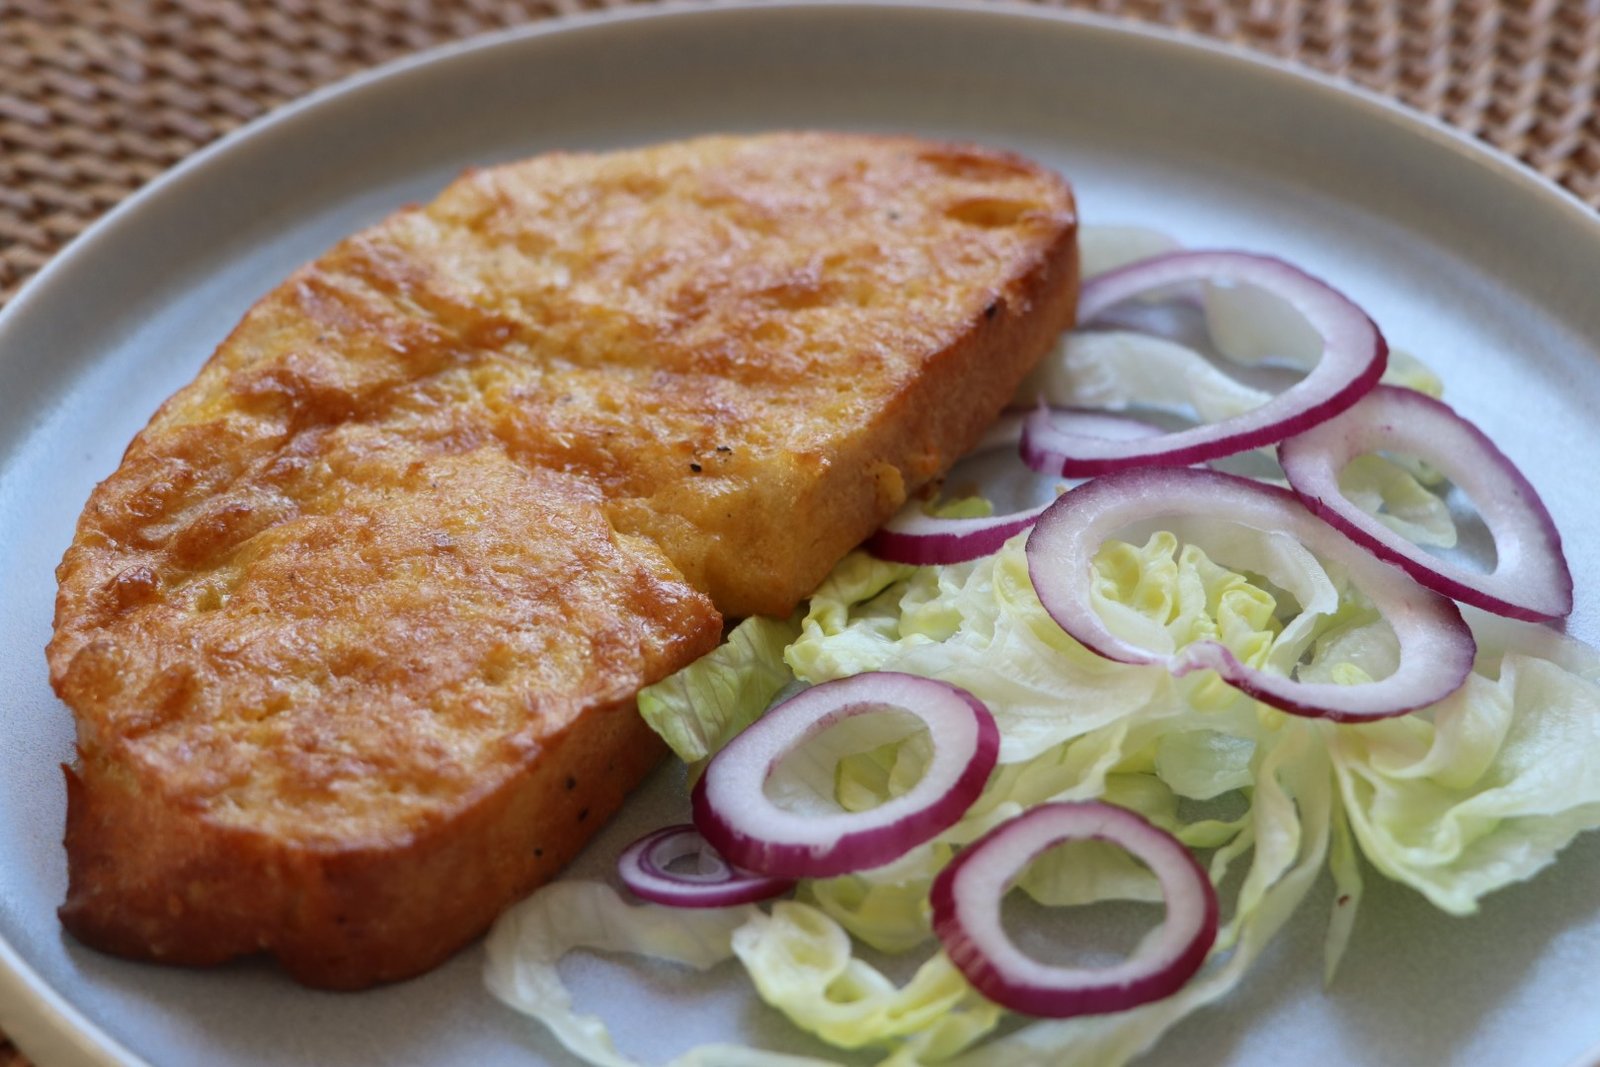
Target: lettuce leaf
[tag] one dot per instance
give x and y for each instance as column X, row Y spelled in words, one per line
column 702, row 707
column 803, row 963
column 886, row 907
column 980, row 626
column 1121, row 369
column 1392, row 495
column 976, row 625
column 1104, row 248
column 1457, row 800
column 1290, row 822
column 1487, row 786
column 1409, row 372
column 527, row 941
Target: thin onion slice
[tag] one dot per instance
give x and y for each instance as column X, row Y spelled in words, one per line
column 915, row 537
column 966, row 901
column 924, row 540
column 1081, row 423
column 1435, row 645
column 735, row 814
column 645, row 869
column 1353, row 358
column 1531, row 579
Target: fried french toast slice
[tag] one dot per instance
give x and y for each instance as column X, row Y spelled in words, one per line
column 384, row 718
column 352, row 636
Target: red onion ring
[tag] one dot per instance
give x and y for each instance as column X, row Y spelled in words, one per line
column 967, row 894
column 1080, row 423
column 923, row 540
column 1531, row 579
column 1354, row 355
column 734, row 813
column 920, row 539
column 644, row 865
column 1436, row 646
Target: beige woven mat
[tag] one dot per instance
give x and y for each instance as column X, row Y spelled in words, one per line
column 99, row 96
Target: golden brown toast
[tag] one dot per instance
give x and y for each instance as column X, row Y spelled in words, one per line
column 353, row 634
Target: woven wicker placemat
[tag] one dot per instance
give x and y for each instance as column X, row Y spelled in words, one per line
column 99, row 96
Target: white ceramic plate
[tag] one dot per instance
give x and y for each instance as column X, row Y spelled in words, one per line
column 1462, row 257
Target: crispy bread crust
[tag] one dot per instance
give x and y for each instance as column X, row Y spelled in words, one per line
column 150, row 881
column 353, row 635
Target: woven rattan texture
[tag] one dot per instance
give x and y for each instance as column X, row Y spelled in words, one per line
column 99, row 96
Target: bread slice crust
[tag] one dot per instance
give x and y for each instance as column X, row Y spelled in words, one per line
column 353, row 634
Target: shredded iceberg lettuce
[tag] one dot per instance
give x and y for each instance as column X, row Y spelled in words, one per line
column 1482, row 791
column 1105, row 248
column 705, row 705
column 1409, row 372
column 1393, row 494
column 1458, row 800
column 1289, row 825
column 976, row 625
column 529, row 939
column 803, row 964
column 1122, row 369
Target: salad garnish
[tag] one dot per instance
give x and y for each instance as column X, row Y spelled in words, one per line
column 1135, row 652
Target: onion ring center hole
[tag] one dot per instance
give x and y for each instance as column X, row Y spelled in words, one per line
column 1082, row 903
column 696, row 863
column 1136, row 574
column 856, row 762
column 1142, row 599
column 1246, row 333
column 1173, row 312
column 1255, row 327
column 1424, row 507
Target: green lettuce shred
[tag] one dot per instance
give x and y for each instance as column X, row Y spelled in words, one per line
column 1477, row 792
column 1289, row 821
column 704, row 706
column 803, row 964
column 1397, row 499
column 1481, row 792
column 527, row 941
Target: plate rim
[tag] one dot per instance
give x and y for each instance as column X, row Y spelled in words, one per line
column 39, row 1019
column 1376, row 104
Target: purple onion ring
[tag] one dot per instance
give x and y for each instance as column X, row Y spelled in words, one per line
column 1436, row 646
column 1354, row 355
column 1531, row 580
column 967, row 895
column 734, row 813
column 922, row 540
column 644, row 867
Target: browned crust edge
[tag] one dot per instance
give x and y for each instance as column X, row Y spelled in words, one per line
column 152, row 882
column 947, row 410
